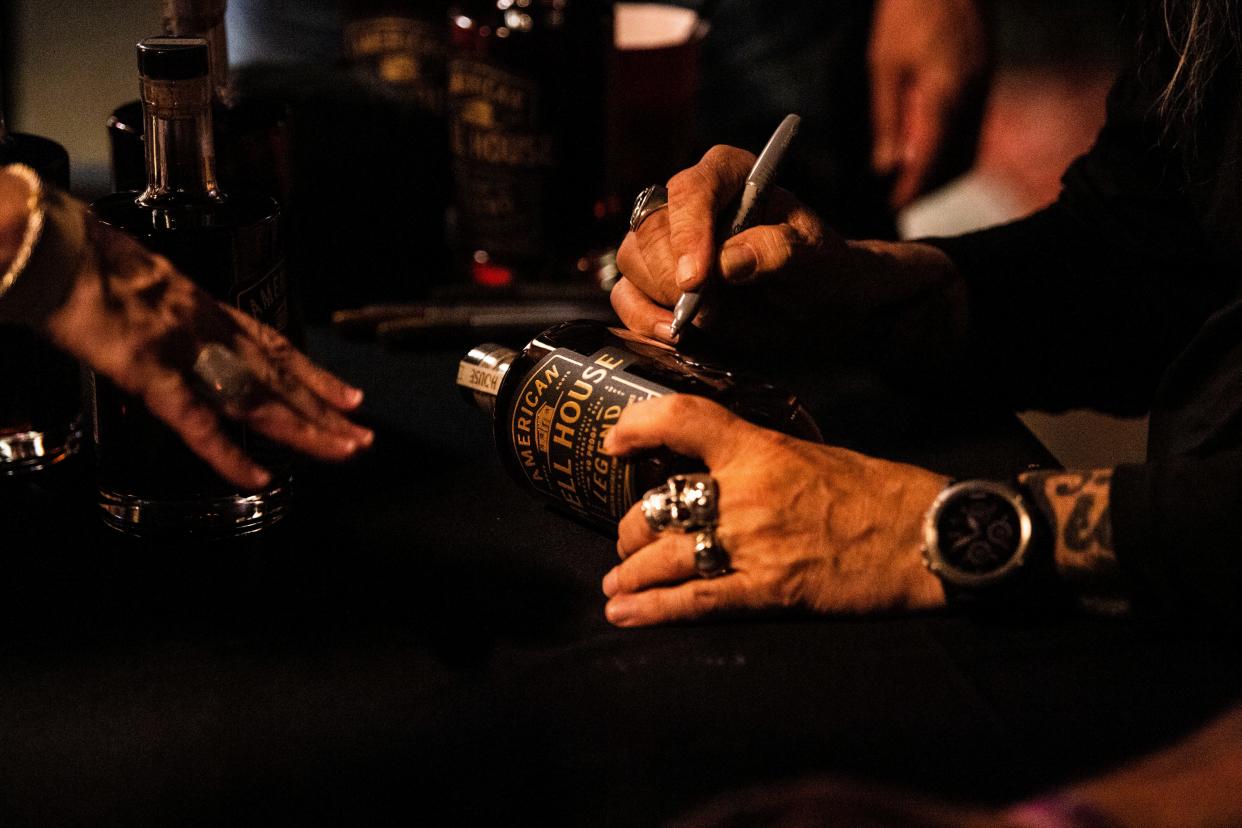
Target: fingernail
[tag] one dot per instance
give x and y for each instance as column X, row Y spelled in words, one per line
column 347, row 445
column 355, row 396
column 610, row 583
column 610, row 442
column 687, row 273
column 367, row 437
column 618, row 611
column 663, row 330
column 259, row 478
column 737, row 262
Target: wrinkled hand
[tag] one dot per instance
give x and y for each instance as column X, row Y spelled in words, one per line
column 133, row 318
column 806, row 526
column 789, row 282
column 676, row 248
column 929, row 69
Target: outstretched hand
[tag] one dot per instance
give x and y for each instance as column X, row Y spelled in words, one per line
column 134, row 319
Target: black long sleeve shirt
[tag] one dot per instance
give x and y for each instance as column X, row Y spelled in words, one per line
column 1126, row 295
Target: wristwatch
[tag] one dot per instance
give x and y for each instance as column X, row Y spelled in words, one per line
column 985, row 544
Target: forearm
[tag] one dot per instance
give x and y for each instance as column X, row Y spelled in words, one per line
column 1075, row 505
column 43, row 241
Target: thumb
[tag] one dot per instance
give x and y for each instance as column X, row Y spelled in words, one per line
column 695, row 197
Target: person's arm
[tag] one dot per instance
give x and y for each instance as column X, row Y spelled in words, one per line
column 129, row 315
column 928, row 62
column 824, row 529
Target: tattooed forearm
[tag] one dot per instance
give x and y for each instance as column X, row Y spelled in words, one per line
column 1076, row 505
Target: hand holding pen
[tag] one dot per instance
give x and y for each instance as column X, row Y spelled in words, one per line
column 754, row 196
column 679, row 249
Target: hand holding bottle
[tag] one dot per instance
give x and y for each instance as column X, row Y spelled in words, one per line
column 132, row 317
column 805, row 526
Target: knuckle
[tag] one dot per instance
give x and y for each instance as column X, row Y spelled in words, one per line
column 703, row 598
column 787, row 590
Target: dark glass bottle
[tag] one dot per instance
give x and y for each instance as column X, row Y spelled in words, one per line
column 397, row 52
column 554, row 402
column 527, row 86
column 40, row 392
column 149, row 482
column 251, row 137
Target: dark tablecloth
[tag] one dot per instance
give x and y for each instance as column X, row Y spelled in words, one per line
column 422, row 638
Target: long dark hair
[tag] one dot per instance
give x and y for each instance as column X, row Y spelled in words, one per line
column 1204, row 36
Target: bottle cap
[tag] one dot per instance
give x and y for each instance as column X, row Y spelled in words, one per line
column 482, row 371
column 173, row 58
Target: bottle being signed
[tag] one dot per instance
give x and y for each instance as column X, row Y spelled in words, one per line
column 149, row 482
column 40, row 394
column 554, row 402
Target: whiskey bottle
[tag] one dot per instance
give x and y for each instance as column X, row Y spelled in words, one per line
column 528, row 81
column 149, row 482
column 403, row 46
column 40, row 392
column 251, row 137
column 397, row 52
column 553, row 402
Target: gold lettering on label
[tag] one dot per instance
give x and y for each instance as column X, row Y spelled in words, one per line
column 571, row 412
column 543, row 427
column 612, row 363
column 581, row 391
column 564, row 436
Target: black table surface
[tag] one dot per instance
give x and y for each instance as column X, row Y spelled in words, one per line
column 422, row 638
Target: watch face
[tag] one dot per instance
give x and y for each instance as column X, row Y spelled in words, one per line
column 979, row 532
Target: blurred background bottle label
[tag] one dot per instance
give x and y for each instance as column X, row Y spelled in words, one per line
column 500, row 158
column 405, row 53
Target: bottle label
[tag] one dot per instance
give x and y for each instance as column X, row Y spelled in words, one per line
column 404, row 53
column 501, row 157
column 558, row 421
column 267, row 298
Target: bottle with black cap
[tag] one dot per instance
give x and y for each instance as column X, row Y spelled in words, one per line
column 149, row 483
column 40, row 394
column 251, row 135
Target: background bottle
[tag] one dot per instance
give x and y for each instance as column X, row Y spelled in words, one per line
column 528, row 81
column 149, row 483
column 251, row 137
column 555, row 400
column 40, row 392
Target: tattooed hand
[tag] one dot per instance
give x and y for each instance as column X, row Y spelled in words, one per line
column 1077, row 504
column 134, row 319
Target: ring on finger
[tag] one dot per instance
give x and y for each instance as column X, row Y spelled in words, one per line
column 650, row 200
column 711, row 560
column 685, row 503
column 223, row 377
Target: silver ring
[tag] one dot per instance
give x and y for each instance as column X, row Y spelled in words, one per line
column 223, row 376
column 686, row 503
column 649, row 200
column 710, row 558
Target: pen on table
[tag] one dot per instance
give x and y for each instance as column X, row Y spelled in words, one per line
column 758, row 183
